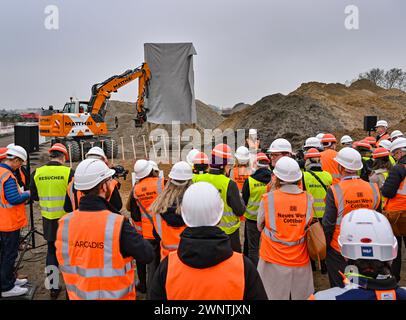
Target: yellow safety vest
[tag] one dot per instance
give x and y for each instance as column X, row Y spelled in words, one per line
column 198, row 177
column 317, row 191
column 229, row 222
column 257, row 189
column 52, row 183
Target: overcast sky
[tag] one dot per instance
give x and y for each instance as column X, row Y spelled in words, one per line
column 246, row 49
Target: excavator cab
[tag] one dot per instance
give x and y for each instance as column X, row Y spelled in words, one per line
column 76, row 107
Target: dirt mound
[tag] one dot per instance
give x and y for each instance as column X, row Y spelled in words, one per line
column 318, row 107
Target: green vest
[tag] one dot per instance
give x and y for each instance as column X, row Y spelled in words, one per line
column 257, row 189
column 317, row 191
column 229, row 222
column 52, row 183
column 392, row 160
column 198, row 177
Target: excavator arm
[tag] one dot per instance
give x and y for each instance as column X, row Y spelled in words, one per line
column 102, row 91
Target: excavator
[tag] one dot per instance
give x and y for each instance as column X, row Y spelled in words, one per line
column 82, row 122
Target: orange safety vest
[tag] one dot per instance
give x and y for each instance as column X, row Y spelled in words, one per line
column 12, row 217
column 386, row 136
column 88, row 252
column 146, row 191
column 224, row 281
column 349, row 195
column 75, row 195
column 398, row 202
column 239, row 174
column 330, row 165
column 170, row 236
column 287, row 217
column 385, row 294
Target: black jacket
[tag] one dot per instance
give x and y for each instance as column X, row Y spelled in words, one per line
column 33, row 187
column 263, row 175
column 396, row 175
column 204, row 247
column 131, row 243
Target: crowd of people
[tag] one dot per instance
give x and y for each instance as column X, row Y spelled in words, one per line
column 183, row 237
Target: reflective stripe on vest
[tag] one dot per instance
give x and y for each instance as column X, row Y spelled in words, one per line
column 271, row 233
column 2, row 180
column 52, row 182
column 257, row 189
column 159, row 231
column 315, row 188
column 100, row 294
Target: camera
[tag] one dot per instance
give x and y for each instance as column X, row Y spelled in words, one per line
column 120, row 172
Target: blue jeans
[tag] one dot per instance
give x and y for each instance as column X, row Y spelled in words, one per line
column 9, row 242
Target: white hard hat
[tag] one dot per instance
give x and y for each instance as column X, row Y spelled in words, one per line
column 202, row 205
column 288, row 170
column 10, row 145
column 14, row 151
column 181, row 171
column 96, row 151
column 385, row 144
column 367, row 234
column 191, row 155
column 280, row 145
column 90, row 172
column 154, row 165
column 349, row 158
column 242, row 154
column 312, row 142
column 396, row 134
column 142, row 168
column 398, row 143
column 346, row 139
column 252, row 132
column 381, row 123
column 320, row 136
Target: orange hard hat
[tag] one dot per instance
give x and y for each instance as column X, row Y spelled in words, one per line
column 3, row 153
column 362, row 144
column 328, row 137
column 201, row 158
column 312, row 153
column 262, row 157
column 370, row 140
column 222, row 151
column 60, row 148
column 380, row 153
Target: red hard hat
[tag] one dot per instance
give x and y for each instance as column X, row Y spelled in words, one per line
column 262, row 157
column 222, row 151
column 328, row 137
column 380, row 153
column 312, row 153
column 363, row 144
column 61, row 148
column 370, row 140
column 3, row 153
column 201, row 158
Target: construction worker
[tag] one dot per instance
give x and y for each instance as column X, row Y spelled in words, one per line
column 367, row 241
column 49, row 184
column 96, row 245
column 320, row 136
column 254, row 187
column 200, row 164
column 253, row 146
column 394, row 190
column 381, row 166
column 346, row 141
column 328, row 164
column 205, row 267
column 166, row 214
column 396, row 134
column 316, row 182
column 381, row 129
column 21, row 174
column 311, row 142
column 73, row 196
column 349, row 194
column 191, row 155
column 279, row 148
column 147, row 188
column 13, row 219
column 387, row 144
column 283, row 217
column 234, row 207
column 3, row 154
column 365, row 149
column 241, row 169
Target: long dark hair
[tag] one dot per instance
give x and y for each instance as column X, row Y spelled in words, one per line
column 382, row 163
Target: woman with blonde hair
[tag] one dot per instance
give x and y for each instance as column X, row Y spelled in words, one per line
column 166, row 213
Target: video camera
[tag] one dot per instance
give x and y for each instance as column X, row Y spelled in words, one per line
column 120, row 172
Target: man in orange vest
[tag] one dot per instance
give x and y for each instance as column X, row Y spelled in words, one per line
column 21, row 174
column 205, row 267
column 394, row 189
column 328, row 164
column 381, row 129
column 148, row 186
column 349, row 194
column 12, row 220
column 95, row 245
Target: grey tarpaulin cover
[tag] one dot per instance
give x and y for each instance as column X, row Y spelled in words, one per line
column 171, row 90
